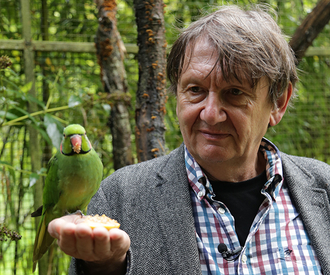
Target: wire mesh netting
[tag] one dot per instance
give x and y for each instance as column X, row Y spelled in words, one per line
column 69, row 83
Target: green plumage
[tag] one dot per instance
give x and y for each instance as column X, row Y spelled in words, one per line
column 74, row 176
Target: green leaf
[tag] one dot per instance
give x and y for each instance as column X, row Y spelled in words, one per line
column 7, row 115
column 26, row 97
column 26, row 113
column 54, row 130
column 107, row 108
column 33, row 178
column 26, row 88
column 35, row 100
column 42, row 133
column 11, row 84
column 42, row 171
column 74, row 101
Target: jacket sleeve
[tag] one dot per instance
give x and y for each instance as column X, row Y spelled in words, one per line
column 98, row 205
column 77, row 265
column 151, row 201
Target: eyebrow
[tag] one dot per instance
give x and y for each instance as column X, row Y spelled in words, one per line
column 199, row 78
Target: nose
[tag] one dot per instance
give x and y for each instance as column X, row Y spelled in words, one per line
column 213, row 111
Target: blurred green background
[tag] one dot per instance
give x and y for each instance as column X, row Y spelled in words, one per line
column 72, row 79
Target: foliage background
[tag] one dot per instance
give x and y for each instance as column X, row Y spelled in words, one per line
column 73, row 80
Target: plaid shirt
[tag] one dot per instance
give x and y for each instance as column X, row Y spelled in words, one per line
column 277, row 243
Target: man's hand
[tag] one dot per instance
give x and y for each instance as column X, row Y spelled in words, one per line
column 100, row 248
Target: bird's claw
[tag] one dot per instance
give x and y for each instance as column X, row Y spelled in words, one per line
column 78, row 212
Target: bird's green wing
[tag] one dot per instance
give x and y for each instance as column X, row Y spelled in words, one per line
column 51, row 191
column 50, row 197
column 43, row 239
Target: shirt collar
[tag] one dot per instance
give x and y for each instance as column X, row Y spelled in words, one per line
column 201, row 185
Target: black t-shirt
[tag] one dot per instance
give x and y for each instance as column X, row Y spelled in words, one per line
column 243, row 200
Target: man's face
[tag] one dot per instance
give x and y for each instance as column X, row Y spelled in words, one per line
column 222, row 123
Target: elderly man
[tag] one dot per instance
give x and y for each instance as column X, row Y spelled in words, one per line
column 227, row 201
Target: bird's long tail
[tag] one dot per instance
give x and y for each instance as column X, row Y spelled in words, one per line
column 43, row 239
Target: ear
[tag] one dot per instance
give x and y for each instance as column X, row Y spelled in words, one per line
column 281, row 106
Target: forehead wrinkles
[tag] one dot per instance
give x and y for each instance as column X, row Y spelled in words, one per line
column 201, row 55
column 202, row 51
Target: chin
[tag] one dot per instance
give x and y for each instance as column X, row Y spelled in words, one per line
column 214, row 156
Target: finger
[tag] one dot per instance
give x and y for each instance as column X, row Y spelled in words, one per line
column 54, row 227
column 73, row 218
column 120, row 241
column 67, row 238
column 84, row 242
column 101, row 243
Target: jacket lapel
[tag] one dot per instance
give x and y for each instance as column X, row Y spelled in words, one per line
column 175, row 215
column 312, row 203
column 177, row 224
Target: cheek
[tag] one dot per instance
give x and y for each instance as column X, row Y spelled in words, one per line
column 184, row 119
column 246, row 125
column 186, row 113
column 259, row 124
column 239, row 120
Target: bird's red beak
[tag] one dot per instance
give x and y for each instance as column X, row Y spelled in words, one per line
column 76, row 143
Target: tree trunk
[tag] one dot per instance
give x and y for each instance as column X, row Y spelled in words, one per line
column 151, row 94
column 309, row 29
column 110, row 54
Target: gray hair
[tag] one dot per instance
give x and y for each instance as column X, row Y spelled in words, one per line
column 250, row 46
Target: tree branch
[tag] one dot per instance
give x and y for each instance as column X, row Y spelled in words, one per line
column 310, row 28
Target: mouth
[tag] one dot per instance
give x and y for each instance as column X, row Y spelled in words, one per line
column 214, row 135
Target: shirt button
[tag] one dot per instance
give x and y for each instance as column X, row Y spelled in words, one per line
column 221, row 210
column 244, row 259
column 200, row 194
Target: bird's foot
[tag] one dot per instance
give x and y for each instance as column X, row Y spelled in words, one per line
column 78, row 212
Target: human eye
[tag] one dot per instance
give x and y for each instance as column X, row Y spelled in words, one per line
column 236, row 97
column 195, row 94
column 235, row 92
column 195, row 90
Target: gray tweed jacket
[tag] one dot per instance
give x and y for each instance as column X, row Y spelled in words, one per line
column 151, row 201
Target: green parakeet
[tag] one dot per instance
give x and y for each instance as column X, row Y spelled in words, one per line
column 74, row 176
